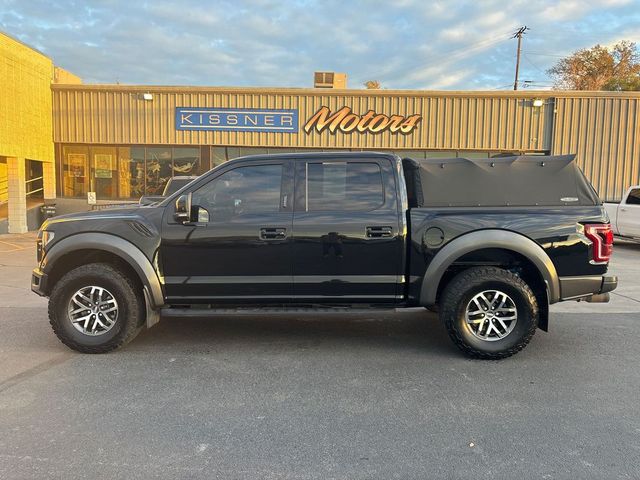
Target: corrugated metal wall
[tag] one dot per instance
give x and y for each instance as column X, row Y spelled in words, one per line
column 119, row 115
column 603, row 128
column 605, row 134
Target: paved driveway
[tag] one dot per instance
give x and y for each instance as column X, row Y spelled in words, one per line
column 363, row 396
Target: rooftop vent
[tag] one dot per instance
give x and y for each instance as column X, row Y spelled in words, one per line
column 329, row 80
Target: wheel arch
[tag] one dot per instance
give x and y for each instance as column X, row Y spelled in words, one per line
column 482, row 240
column 70, row 252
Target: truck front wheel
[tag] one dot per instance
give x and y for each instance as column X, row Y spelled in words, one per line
column 96, row 308
column 489, row 312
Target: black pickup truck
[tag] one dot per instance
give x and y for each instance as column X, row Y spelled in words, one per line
column 488, row 243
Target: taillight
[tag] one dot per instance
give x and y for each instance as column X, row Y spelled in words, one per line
column 602, row 237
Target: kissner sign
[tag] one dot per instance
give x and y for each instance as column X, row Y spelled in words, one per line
column 345, row 121
column 237, row 119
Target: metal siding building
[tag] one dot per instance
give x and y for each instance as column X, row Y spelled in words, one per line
column 604, row 131
column 602, row 128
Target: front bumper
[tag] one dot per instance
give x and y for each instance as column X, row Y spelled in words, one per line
column 39, row 282
column 574, row 288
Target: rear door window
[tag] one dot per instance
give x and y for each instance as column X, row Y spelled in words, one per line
column 344, row 186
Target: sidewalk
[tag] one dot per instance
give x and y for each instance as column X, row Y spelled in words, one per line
column 17, row 259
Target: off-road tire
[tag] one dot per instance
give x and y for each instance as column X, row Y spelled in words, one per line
column 468, row 283
column 131, row 314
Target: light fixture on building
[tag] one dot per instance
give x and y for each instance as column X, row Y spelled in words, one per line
column 538, row 102
column 147, row 96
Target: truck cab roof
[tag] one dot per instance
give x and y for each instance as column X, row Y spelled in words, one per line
column 318, row 155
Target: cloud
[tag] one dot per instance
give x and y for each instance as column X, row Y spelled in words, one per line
column 403, row 44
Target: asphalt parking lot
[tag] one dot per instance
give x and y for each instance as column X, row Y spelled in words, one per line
column 360, row 396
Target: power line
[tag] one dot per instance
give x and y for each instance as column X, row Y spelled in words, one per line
column 465, row 50
column 544, row 54
column 526, row 57
column 457, row 53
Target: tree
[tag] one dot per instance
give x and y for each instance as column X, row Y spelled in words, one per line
column 599, row 68
column 372, row 84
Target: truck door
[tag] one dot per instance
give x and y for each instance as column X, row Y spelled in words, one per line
column 240, row 249
column 347, row 244
column 629, row 214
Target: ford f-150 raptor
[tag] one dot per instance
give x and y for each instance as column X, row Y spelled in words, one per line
column 488, row 243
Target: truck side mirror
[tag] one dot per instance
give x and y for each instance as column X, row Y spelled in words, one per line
column 182, row 212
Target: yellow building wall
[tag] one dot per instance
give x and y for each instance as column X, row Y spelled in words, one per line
column 4, row 184
column 25, row 102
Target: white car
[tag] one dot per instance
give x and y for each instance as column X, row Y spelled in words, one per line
column 625, row 216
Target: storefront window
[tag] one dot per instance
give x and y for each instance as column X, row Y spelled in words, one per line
column 464, row 154
column 158, row 171
column 244, row 151
column 284, row 150
column 218, row 156
column 415, row 154
column 443, row 154
column 131, row 172
column 233, row 152
column 75, row 171
column 124, row 172
column 186, row 161
column 137, row 172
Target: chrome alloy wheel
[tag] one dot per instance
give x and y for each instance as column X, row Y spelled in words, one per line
column 93, row 310
column 491, row 315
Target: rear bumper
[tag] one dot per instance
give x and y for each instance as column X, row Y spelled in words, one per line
column 39, row 282
column 573, row 288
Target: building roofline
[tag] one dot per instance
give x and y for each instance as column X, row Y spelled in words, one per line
column 343, row 92
column 2, row 32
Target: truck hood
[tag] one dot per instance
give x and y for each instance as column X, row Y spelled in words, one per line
column 112, row 213
column 138, row 225
column 108, row 221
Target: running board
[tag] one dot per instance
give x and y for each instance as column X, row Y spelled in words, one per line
column 169, row 312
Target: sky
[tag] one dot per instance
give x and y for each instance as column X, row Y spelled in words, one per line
column 404, row 44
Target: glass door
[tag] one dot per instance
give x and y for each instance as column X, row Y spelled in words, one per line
column 75, row 166
column 104, row 172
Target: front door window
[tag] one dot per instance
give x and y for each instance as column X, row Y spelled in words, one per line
column 241, row 191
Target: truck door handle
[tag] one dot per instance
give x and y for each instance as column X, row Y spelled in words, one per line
column 270, row 233
column 379, row 232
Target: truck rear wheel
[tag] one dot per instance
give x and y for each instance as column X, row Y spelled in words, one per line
column 489, row 312
column 96, row 308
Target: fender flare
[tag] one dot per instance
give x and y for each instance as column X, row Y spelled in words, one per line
column 482, row 239
column 127, row 251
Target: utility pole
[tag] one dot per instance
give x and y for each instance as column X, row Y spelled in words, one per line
column 521, row 31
